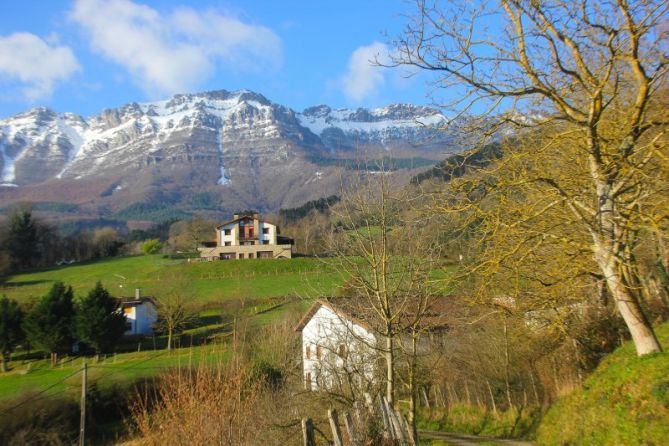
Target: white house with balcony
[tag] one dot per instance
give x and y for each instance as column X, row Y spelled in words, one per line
column 247, row 236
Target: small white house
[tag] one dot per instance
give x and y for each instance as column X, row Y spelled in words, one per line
column 341, row 350
column 338, row 350
column 140, row 313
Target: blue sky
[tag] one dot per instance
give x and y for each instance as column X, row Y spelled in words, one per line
column 85, row 55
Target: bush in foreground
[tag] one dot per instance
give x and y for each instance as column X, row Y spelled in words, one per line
column 625, row 401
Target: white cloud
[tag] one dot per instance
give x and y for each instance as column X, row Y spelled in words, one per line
column 363, row 78
column 170, row 53
column 34, row 64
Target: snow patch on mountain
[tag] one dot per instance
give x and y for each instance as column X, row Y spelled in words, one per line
column 317, row 119
column 245, row 124
column 223, row 177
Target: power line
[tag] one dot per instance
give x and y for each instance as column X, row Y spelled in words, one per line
column 35, row 397
column 113, row 370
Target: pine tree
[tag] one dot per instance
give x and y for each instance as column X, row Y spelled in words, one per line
column 98, row 322
column 49, row 323
column 22, row 239
column 11, row 333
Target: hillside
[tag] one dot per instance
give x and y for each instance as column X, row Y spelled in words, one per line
column 625, row 401
column 205, row 282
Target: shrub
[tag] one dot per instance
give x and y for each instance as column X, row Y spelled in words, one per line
column 47, row 421
column 151, row 246
column 625, row 401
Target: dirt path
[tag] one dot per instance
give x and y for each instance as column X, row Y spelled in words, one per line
column 469, row 440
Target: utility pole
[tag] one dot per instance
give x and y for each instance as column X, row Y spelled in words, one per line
column 82, row 420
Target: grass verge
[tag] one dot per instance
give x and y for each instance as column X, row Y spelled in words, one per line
column 625, row 401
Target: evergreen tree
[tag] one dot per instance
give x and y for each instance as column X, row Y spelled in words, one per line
column 22, row 239
column 49, row 323
column 97, row 321
column 11, row 333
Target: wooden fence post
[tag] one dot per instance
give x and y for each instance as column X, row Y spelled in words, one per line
column 352, row 431
column 398, row 432
column 308, row 432
column 425, row 397
column 409, row 431
column 387, row 428
column 334, row 425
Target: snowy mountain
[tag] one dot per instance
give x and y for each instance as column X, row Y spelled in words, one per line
column 239, row 147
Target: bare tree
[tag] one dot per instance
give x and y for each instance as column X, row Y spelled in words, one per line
column 175, row 309
column 384, row 250
column 593, row 73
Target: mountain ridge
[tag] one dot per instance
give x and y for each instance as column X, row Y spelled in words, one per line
column 239, row 146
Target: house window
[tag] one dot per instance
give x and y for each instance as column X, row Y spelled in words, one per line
column 265, row 230
column 307, row 380
column 265, row 242
column 250, row 255
column 227, row 231
column 228, row 243
column 342, row 350
column 318, row 351
column 307, row 352
column 241, row 256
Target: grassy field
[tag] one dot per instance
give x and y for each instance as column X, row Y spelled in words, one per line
column 139, row 359
column 257, row 292
column 625, row 401
column 40, row 376
column 204, row 281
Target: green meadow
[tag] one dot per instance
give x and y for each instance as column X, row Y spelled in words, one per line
column 254, row 292
column 204, row 282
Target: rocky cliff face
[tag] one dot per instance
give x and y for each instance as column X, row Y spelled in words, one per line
column 238, row 146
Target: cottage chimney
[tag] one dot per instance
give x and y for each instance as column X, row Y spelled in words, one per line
column 235, row 216
column 138, row 295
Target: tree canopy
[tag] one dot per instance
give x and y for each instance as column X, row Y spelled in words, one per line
column 11, row 333
column 49, row 323
column 98, row 322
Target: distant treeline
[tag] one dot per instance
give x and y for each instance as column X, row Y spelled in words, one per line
column 44, row 206
column 321, row 205
column 158, row 212
column 386, row 163
column 457, row 165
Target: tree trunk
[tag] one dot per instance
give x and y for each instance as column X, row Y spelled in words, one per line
column 169, row 340
column 628, row 306
column 5, row 361
column 507, row 364
column 390, row 370
column 534, row 387
column 413, row 389
column 492, row 397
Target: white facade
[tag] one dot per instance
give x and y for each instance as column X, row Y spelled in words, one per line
column 231, row 239
column 267, row 234
column 338, row 353
column 270, row 237
column 140, row 317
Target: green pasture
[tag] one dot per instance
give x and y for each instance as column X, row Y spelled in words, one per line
column 205, row 282
column 36, row 376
